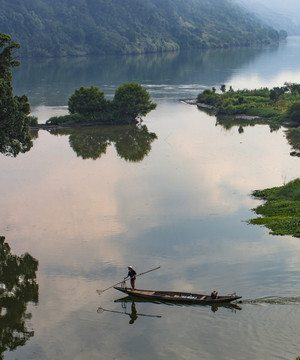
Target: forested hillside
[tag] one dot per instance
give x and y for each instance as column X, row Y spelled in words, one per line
column 79, row 27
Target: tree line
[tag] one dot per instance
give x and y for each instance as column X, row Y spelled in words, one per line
column 81, row 27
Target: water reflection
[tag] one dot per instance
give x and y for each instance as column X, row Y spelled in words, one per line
column 17, row 287
column 239, row 121
column 228, row 122
column 52, row 81
column 133, row 314
column 14, row 139
column 132, row 143
column 214, row 307
column 293, row 138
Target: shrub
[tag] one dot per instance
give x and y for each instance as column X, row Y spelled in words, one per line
column 132, row 101
column 208, row 97
column 87, row 101
column 33, row 120
column 293, row 112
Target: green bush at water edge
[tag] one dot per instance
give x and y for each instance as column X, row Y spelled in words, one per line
column 279, row 105
column 281, row 211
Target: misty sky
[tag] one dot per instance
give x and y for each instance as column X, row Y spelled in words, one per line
column 291, row 7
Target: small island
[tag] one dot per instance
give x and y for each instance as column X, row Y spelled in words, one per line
column 88, row 106
column 277, row 106
column 281, row 210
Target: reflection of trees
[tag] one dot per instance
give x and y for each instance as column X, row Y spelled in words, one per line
column 88, row 145
column 293, row 138
column 132, row 143
column 17, row 287
column 228, row 122
column 14, row 134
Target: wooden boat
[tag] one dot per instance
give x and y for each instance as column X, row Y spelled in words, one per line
column 177, row 296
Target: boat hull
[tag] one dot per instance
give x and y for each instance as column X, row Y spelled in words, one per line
column 176, row 296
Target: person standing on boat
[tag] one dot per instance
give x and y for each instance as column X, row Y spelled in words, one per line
column 132, row 275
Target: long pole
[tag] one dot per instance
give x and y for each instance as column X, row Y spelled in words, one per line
column 145, row 272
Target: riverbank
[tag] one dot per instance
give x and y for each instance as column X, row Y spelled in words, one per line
column 281, row 211
column 279, row 105
column 213, row 110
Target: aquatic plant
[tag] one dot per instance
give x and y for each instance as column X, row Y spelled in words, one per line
column 281, row 210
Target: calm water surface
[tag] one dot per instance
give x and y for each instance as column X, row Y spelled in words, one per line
column 86, row 211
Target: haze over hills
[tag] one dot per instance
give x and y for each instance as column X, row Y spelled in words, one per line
column 277, row 13
column 80, row 27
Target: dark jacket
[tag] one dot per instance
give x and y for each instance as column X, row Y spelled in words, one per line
column 131, row 273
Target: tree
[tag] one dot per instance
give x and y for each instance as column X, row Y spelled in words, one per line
column 223, row 88
column 276, row 92
column 7, row 60
column 293, row 112
column 131, row 102
column 14, row 110
column 292, row 87
column 87, row 101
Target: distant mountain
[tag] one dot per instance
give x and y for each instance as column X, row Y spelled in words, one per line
column 80, row 27
column 282, row 15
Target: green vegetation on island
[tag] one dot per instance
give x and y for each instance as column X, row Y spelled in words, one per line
column 279, row 105
column 88, row 106
column 80, row 27
column 281, row 210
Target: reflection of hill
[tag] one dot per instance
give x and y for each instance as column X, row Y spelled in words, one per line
column 17, row 287
column 54, row 80
column 132, row 143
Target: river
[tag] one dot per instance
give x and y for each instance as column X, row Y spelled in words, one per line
column 87, row 204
